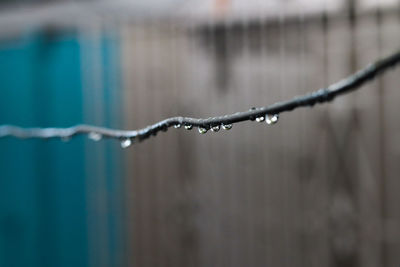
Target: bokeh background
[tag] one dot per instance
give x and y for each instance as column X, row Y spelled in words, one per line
column 320, row 188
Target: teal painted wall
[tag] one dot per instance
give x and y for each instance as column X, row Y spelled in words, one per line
column 43, row 183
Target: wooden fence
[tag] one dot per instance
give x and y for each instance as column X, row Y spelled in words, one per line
column 320, row 188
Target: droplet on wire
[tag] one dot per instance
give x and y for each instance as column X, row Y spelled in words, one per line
column 95, row 136
column 260, row 119
column 126, row 143
column 177, row 126
column 272, row 119
column 202, row 130
column 215, row 128
column 226, row 126
column 188, row 127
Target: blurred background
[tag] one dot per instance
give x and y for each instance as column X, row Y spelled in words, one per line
column 320, row 188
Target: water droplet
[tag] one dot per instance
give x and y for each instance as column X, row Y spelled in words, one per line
column 215, row 128
column 188, row 127
column 126, row 143
column 95, row 136
column 202, row 130
column 177, row 126
column 226, row 126
column 272, row 119
column 260, row 119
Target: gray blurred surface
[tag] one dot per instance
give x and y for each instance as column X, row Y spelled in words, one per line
column 320, row 188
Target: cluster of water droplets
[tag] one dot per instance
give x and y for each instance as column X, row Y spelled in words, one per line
column 203, row 130
column 215, row 128
column 272, row 119
column 127, row 142
column 260, row 119
column 269, row 119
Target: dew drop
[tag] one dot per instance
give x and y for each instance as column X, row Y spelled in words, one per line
column 202, row 130
column 177, row 126
column 260, row 119
column 126, row 143
column 226, row 126
column 272, row 119
column 95, row 136
column 215, row 128
column 188, row 127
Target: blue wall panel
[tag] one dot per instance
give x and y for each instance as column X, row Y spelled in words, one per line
column 43, row 209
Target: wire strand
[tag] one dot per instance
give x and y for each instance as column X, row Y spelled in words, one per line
column 327, row 94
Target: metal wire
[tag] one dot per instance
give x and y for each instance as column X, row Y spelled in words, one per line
column 327, row 94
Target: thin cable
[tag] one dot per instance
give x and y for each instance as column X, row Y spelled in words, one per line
column 320, row 96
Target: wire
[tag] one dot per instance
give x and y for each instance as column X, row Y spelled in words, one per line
column 269, row 113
